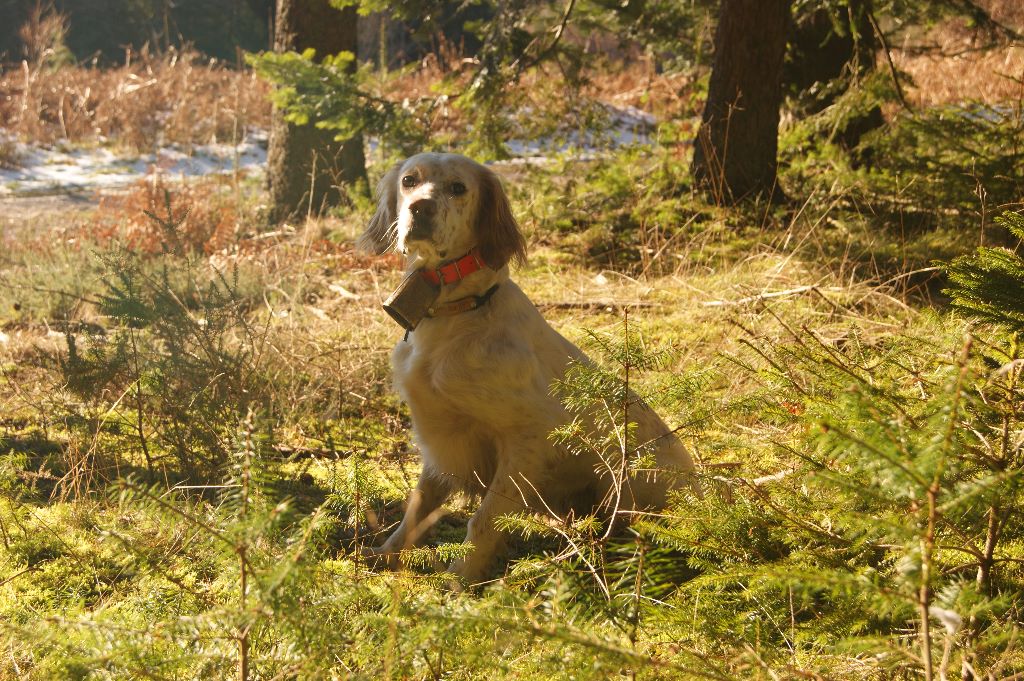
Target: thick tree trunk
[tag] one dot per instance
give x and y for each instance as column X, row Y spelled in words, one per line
column 736, row 146
column 307, row 170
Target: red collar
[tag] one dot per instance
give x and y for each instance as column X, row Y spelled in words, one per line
column 455, row 270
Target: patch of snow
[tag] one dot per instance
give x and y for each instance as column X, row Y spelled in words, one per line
column 986, row 113
column 625, row 126
column 43, row 170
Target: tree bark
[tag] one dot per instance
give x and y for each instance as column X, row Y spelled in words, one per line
column 307, row 169
column 735, row 151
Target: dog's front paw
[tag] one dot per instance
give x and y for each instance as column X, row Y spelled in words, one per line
column 466, row 572
column 452, row 583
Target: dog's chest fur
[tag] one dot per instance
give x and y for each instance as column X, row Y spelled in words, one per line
column 477, row 390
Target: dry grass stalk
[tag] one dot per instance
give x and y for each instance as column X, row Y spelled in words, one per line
column 959, row 69
column 44, row 33
column 209, row 224
column 627, row 82
column 638, row 84
column 9, row 154
column 174, row 97
column 1007, row 12
column 990, row 77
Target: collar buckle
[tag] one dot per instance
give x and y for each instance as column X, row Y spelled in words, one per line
column 461, row 305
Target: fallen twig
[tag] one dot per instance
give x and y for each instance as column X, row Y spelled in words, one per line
column 772, row 294
column 566, row 305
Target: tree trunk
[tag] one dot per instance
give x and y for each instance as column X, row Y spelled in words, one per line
column 735, row 151
column 307, row 170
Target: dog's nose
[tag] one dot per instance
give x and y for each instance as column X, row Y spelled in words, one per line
column 423, row 208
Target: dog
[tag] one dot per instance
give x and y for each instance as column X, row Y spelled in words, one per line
column 477, row 372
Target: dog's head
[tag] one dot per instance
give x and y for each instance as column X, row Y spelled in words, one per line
column 440, row 206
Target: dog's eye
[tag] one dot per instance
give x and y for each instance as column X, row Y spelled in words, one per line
column 458, row 189
column 409, row 181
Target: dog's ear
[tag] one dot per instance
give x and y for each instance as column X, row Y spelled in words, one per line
column 380, row 232
column 498, row 235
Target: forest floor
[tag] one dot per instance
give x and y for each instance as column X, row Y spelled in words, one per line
column 198, row 432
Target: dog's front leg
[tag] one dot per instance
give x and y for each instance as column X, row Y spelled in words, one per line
column 503, row 497
column 422, row 510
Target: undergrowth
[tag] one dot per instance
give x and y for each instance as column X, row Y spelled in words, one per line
column 197, row 436
column 853, row 454
column 152, row 100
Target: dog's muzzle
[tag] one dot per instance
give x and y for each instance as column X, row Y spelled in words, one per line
column 423, row 212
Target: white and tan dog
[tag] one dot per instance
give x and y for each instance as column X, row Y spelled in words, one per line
column 477, row 373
